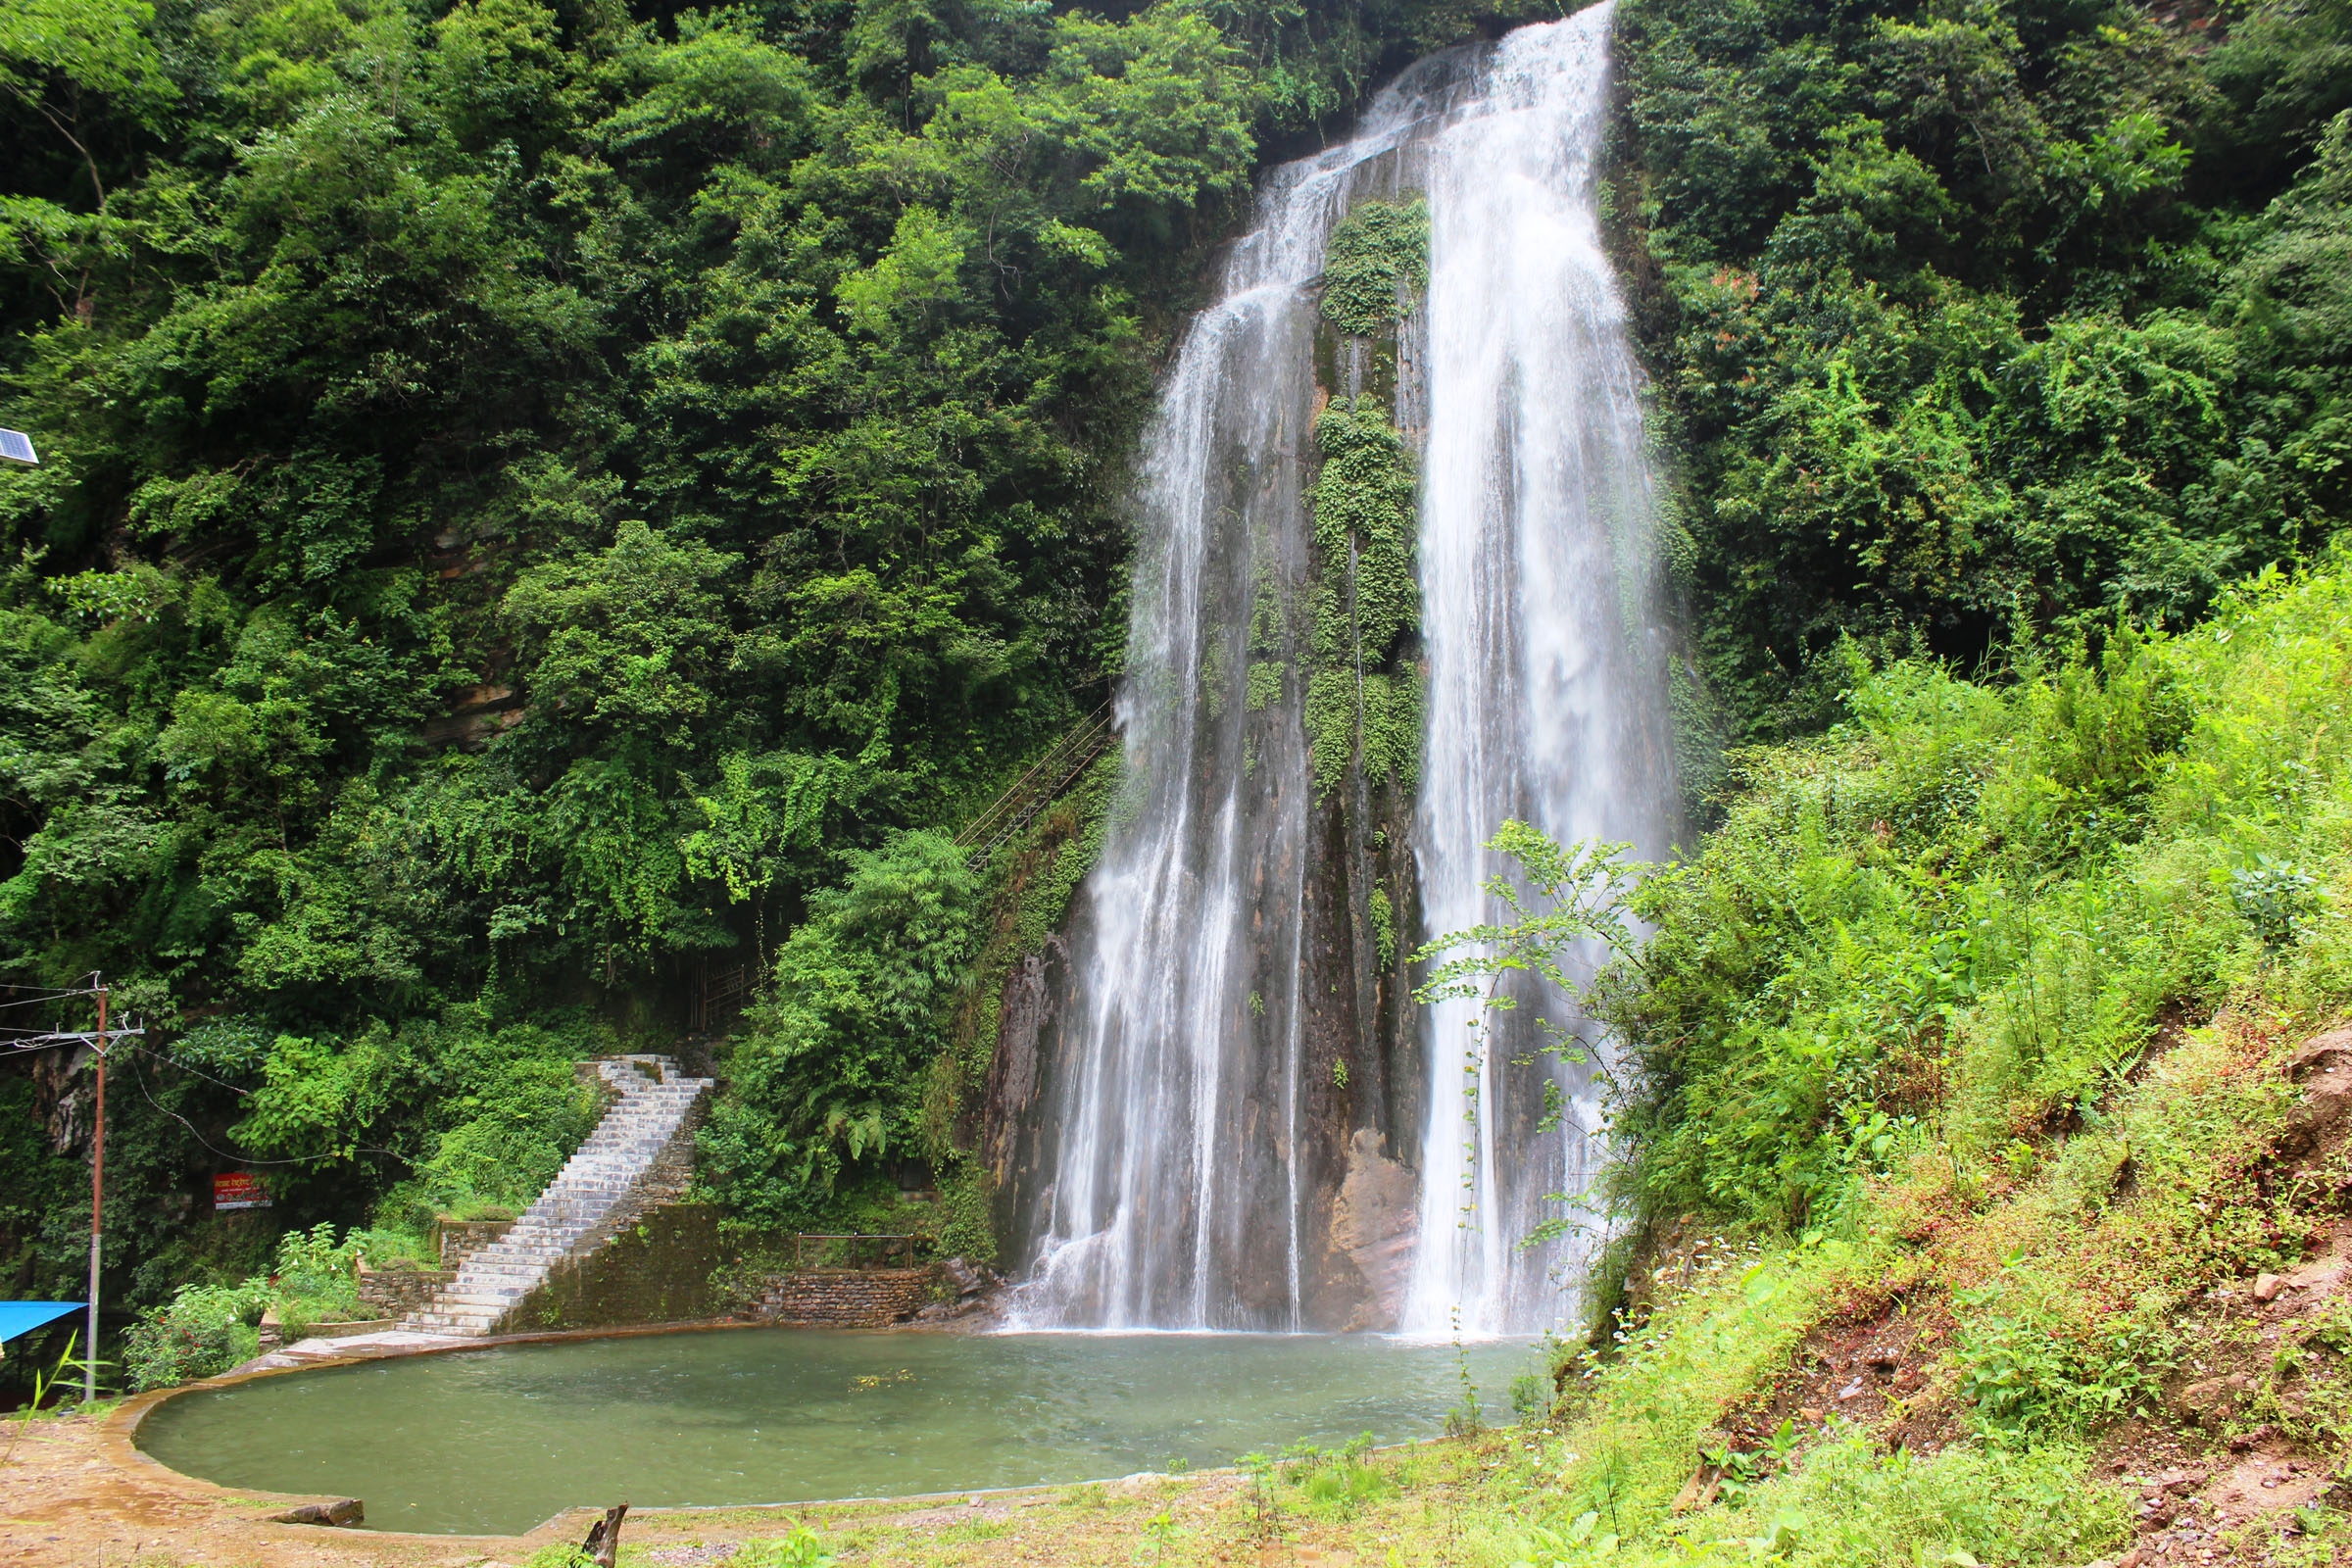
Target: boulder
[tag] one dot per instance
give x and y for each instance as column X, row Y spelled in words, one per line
column 2322, row 1067
column 962, row 1277
column 2208, row 1399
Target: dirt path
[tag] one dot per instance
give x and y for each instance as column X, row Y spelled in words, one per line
column 73, row 1491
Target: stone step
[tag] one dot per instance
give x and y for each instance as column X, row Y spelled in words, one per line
column 549, row 1244
column 643, row 1121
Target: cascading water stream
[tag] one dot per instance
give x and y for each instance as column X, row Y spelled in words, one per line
column 1176, row 1193
column 1547, row 668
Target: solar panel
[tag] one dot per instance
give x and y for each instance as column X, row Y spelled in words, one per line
column 17, row 445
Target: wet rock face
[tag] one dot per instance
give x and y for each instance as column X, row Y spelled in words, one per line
column 1361, row 1086
column 1375, row 1221
column 1011, row 1134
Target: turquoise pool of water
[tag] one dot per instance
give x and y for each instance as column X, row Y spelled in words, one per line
column 500, row 1439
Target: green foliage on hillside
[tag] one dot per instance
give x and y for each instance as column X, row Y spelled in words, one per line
column 750, row 426
column 1966, row 912
column 1999, row 982
column 1985, row 322
column 822, row 1072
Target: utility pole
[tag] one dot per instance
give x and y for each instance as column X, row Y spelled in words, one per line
column 12, row 1041
column 89, row 1350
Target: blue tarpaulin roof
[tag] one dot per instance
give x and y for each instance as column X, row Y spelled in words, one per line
column 23, row 1317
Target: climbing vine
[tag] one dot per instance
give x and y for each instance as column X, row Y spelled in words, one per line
column 1383, row 914
column 1365, row 521
column 1364, row 501
column 1376, row 263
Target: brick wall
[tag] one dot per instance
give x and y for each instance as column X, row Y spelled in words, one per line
column 849, row 1298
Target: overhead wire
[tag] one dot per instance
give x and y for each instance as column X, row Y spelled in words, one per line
column 28, row 1036
column 164, row 1057
column 242, row 1160
column 43, row 1000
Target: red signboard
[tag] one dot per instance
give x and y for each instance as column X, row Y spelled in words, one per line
column 239, row 1189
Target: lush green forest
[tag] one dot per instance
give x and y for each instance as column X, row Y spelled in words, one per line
column 539, row 505
column 535, row 501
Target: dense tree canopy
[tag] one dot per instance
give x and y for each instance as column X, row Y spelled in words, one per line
column 1986, row 321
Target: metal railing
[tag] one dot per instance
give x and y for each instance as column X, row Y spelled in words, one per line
column 1038, row 788
column 719, row 993
column 866, row 1248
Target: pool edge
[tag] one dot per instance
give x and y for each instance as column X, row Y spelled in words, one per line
column 118, row 1429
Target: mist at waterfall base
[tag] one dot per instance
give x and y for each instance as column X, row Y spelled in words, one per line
column 1176, row 1193
column 502, row 1439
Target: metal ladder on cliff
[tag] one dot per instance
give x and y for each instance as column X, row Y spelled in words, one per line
column 1038, row 788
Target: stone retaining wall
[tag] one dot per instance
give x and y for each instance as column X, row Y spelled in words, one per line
column 455, row 1240
column 845, row 1299
column 272, row 1334
column 672, row 1264
column 398, row 1292
column 655, row 1269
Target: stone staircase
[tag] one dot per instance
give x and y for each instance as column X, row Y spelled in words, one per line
column 640, row 1154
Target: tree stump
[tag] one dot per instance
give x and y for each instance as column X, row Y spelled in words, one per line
column 604, row 1538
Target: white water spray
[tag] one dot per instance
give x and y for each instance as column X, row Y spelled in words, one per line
column 1175, row 1198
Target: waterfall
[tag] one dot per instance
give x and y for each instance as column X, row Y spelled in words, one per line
column 1185, row 1173
column 1546, row 669
column 1175, row 1195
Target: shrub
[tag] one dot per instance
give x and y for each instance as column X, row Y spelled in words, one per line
column 1849, row 1505
column 202, row 1331
column 2022, row 1376
column 314, row 1270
